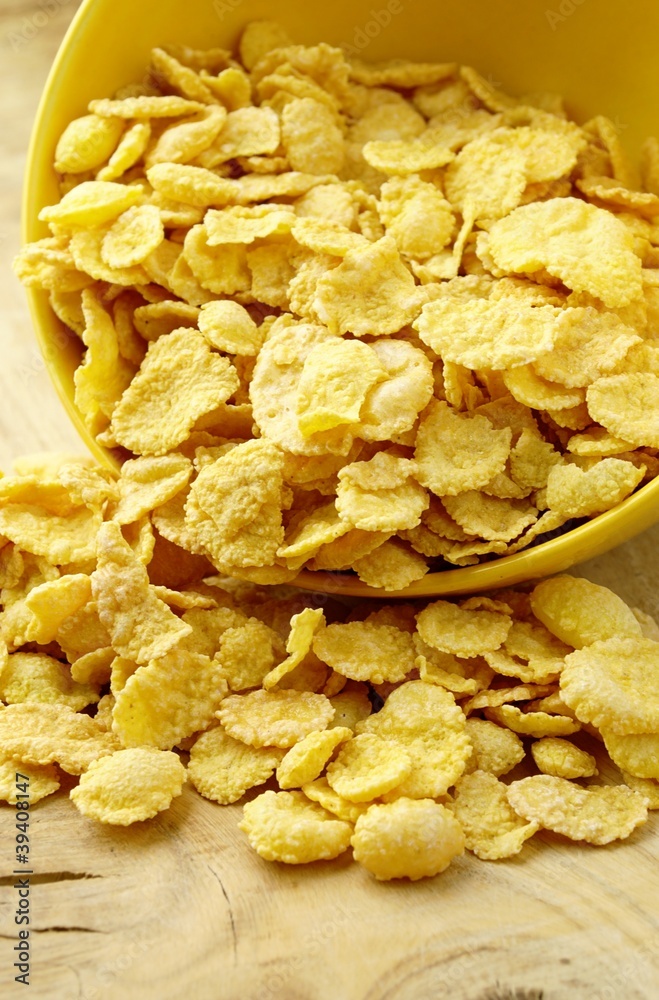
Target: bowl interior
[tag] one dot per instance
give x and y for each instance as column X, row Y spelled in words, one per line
column 600, row 56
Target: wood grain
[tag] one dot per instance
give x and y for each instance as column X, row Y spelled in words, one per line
column 181, row 907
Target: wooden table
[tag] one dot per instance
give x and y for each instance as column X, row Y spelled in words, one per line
column 181, row 908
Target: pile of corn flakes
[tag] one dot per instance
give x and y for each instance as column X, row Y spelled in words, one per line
column 388, row 729
column 369, row 317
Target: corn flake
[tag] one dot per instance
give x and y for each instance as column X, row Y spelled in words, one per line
column 304, row 762
column 223, row 769
column 390, row 567
column 409, row 838
column 129, row 786
column 42, row 781
column 457, row 452
column 168, row 700
column 563, row 759
column 37, row 677
column 248, row 654
column 274, row 718
column 598, row 814
column 366, row 652
column 370, row 293
column 574, row 492
column 465, row 633
column 492, row 829
column 537, row 724
column 141, row 626
column 580, row 612
column 287, row 827
column 426, row 722
column 626, row 406
column 495, row 750
column 38, row 734
column 586, row 247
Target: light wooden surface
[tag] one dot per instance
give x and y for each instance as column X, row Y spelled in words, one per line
column 181, row 907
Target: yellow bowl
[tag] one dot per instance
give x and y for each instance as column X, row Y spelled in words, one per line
column 600, row 55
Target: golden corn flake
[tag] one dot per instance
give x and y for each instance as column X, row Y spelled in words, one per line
column 456, row 452
column 563, row 759
column 303, row 628
column 274, row 718
column 334, row 383
column 537, row 724
column 626, row 405
column 306, row 536
column 529, row 388
column 404, row 157
column 597, row 442
column 248, row 654
column 145, row 107
column 598, row 814
column 273, row 391
column 580, row 612
column 223, row 769
column 86, row 143
column 130, row 149
column 147, row 483
column 490, row 518
column 51, row 603
column 425, row 720
column 531, row 653
column 311, row 138
column 42, row 781
column 380, row 510
column 92, row 203
column 129, row 786
column 141, row 626
column 484, row 333
column 574, row 492
column 390, row 567
column 589, row 343
column 366, row 652
column 183, row 142
column 531, row 460
column 180, row 366
column 417, row 216
column 636, row 754
column 37, row 677
column 443, row 669
column 370, row 293
column 229, row 327
column 167, row 700
column 392, row 406
column 492, row 829
column 287, row 827
column 234, row 507
column 319, row 791
column 222, row 270
column 490, row 174
column 304, row 762
column 135, row 234
column 367, row 767
column 247, row 131
column 40, row 734
column 502, row 696
column 495, row 750
column 586, row 247
column 351, row 705
column 409, row 838
column 646, row 787
column 244, row 225
column 464, row 633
